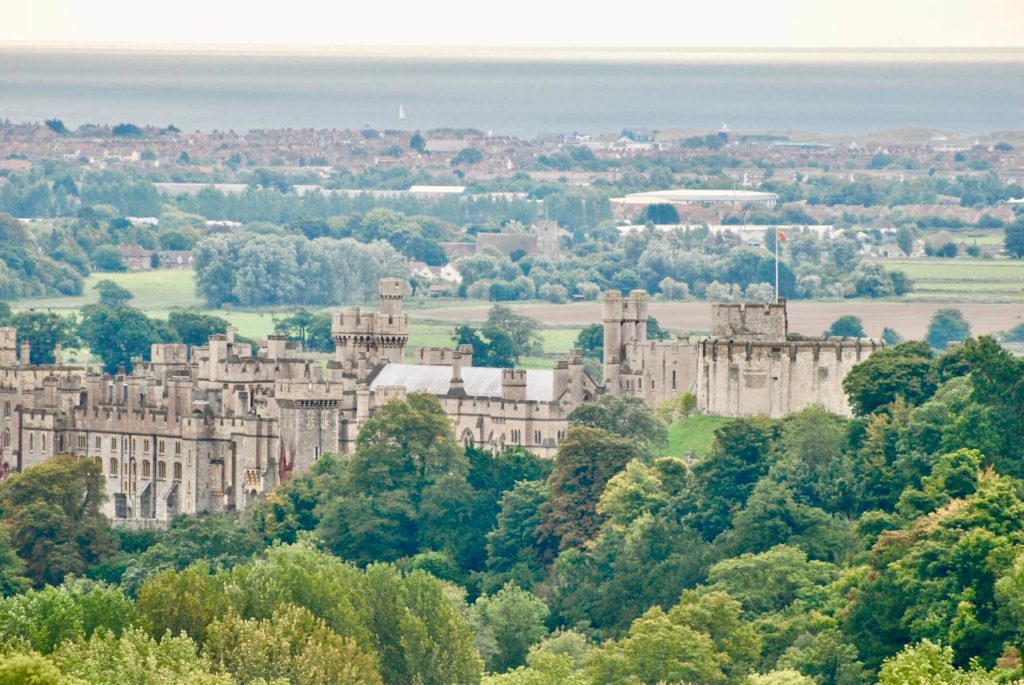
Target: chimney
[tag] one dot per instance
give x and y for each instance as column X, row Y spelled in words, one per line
column 58, row 354
column 26, row 353
column 456, row 388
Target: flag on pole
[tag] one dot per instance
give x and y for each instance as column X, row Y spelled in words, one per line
column 781, row 234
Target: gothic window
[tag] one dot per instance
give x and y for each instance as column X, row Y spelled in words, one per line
column 145, row 469
column 42, row 441
column 31, row 441
column 98, row 442
column 316, row 452
column 177, row 446
column 113, row 466
column 161, row 470
column 536, row 437
column 145, row 445
column 177, row 471
column 113, row 443
column 7, row 437
column 7, row 409
column 673, row 380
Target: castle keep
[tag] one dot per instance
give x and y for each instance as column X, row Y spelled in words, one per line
column 750, row 365
column 211, row 428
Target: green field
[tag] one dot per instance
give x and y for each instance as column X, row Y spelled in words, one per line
column 970, row 280
column 158, row 292
column 692, row 435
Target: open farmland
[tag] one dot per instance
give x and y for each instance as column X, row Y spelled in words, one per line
column 963, row 280
column 910, row 319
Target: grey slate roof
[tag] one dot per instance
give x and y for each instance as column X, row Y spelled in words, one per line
column 478, row 381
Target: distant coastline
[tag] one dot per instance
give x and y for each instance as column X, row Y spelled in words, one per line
column 653, row 54
column 524, row 92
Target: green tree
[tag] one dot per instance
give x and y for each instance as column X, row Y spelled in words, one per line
column 417, row 143
column 492, row 347
column 107, row 258
column 119, row 335
column 891, row 337
column 522, row 329
column 30, row 669
column 927, row 662
column 195, row 328
column 590, row 341
column 770, row 581
column 468, row 156
column 587, row 458
column 53, row 513
column 313, row 330
column 43, row 331
column 1014, row 238
column 514, row 551
column 847, row 326
column 135, row 657
column 407, row 464
column 905, row 236
column 656, row 650
column 111, row 294
column 628, row 417
column 514, row 619
column 947, row 326
column 905, row 370
column 293, row 645
column 185, row 601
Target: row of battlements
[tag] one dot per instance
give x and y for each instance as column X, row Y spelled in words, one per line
column 711, row 347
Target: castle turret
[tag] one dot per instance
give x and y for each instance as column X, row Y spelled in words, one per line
column 26, row 353
column 513, row 385
column 8, row 346
column 612, row 320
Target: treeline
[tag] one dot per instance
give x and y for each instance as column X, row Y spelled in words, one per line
column 812, row 550
column 116, row 332
column 264, row 269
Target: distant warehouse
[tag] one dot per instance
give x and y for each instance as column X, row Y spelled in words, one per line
column 697, row 197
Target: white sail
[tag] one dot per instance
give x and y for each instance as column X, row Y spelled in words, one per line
column 401, row 113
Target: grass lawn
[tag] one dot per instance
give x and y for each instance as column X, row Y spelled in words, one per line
column 958, row 280
column 692, row 435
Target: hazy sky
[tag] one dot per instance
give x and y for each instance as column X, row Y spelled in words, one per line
column 569, row 23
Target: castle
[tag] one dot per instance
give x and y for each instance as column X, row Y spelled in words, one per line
column 214, row 427
column 750, row 365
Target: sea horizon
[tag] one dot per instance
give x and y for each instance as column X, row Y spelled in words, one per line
column 522, row 91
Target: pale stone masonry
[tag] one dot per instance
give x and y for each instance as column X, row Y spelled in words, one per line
column 215, row 427
column 750, row 365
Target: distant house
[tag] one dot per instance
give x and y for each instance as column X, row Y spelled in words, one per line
column 175, row 259
column 135, row 257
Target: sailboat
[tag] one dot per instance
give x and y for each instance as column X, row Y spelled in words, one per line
column 401, row 113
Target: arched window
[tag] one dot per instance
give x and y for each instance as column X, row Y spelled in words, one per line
column 113, row 466
column 145, row 469
column 177, row 471
column 7, row 437
column 161, row 470
column 7, row 409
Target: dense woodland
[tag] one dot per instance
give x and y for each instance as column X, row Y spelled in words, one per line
column 811, row 550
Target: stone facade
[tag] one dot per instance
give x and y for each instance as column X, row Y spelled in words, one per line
column 214, row 427
column 750, row 365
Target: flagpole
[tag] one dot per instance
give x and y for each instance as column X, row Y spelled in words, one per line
column 776, row 265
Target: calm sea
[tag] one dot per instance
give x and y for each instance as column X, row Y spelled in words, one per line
column 522, row 95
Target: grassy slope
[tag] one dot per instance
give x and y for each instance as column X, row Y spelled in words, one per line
column 692, row 435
